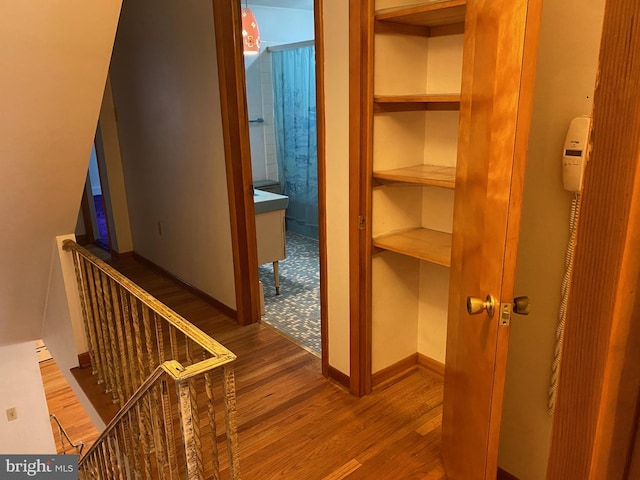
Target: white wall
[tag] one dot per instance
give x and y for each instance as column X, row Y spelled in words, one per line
column 567, row 63
column 62, row 329
column 165, row 86
column 336, row 84
column 62, row 323
column 54, row 57
column 166, row 93
column 21, row 387
column 300, row 27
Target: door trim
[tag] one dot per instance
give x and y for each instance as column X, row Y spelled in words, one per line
column 104, row 185
column 318, row 20
column 597, row 403
column 238, row 160
column 235, row 129
column 360, row 171
column 85, row 211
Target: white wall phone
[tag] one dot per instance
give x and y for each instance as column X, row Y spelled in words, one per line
column 574, row 159
column 574, row 153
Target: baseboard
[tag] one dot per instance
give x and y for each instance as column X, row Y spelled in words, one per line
column 398, row 368
column 407, row 365
column 503, row 475
column 339, row 377
column 431, row 364
column 84, row 360
column 230, row 312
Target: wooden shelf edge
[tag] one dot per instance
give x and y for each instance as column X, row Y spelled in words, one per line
column 389, row 27
column 419, row 98
column 429, row 175
column 429, row 245
column 422, row 102
column 432, row 14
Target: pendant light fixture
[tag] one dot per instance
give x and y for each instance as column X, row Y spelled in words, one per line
column 250, row 32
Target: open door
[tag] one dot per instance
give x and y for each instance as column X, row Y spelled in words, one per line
column 496, row 96
column 501, row 38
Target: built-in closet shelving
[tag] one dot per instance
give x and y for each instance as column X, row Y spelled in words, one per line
column 411, row 60
column 421, row 243
column 406, row 103
column 429, row 14
column 428, row 20
column 433, row 175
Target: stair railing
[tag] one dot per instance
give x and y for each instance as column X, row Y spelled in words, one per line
column 65, row 439
column 138, row 346
column 142, row 441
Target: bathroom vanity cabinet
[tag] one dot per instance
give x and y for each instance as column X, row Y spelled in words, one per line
column 270, row 229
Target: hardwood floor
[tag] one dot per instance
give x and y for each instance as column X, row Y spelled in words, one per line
column 63, row 403
column 295, row 424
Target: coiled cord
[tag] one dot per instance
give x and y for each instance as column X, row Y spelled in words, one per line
column 562, row 315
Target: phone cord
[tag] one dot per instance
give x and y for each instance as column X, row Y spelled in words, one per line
column 566, row 284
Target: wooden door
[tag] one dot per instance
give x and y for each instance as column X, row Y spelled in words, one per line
column 500, row 49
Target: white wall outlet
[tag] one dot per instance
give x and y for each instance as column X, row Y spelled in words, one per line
column 12, row 414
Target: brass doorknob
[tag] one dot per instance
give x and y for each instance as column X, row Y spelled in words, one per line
column 476, row 305
column 521, row 305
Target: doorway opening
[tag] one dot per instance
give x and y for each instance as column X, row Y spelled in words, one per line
column 281, row 101
column 101, row 233
column 92, row 228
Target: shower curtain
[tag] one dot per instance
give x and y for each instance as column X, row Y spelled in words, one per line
column 296, row 144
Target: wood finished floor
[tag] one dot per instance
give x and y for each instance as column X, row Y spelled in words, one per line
column 63, row 403
column 294, row 424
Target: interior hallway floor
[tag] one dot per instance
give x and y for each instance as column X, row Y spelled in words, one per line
column 294, row 423
column 296, row 311
column 63, row 403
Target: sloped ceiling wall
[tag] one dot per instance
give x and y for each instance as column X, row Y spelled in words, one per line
column 54, row 56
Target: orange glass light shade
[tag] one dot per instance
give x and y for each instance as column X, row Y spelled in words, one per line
column 250, row 33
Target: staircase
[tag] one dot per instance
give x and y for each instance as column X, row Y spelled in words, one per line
column 167, row 377
column 65, row 439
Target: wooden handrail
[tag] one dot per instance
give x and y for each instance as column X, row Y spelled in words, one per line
column 179, row 322
column 130, row 417
column 168, row 367
column 79, row 445
column 137, row 347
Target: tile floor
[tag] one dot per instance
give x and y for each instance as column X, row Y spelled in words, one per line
column 296, row 311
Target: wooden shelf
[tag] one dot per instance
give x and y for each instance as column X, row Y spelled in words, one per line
column 428, row 245
column 434, row 14
column 408, row 103
column 420, row 175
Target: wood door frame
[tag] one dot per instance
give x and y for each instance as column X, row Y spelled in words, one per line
column 239, row 179
column 235, row 127
column 85, row 211
column 98, row 145
column 360, row 205
column 597, row 404
column 318, row 22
